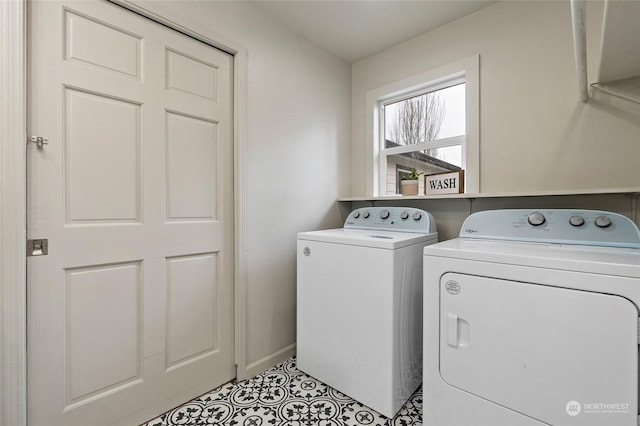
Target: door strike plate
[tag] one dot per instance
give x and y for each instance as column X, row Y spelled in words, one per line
column 37, row 247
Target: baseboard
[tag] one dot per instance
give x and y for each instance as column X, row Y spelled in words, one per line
column 270, row 360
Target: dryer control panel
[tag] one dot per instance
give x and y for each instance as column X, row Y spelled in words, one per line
column 559, row 226
column 402, row 219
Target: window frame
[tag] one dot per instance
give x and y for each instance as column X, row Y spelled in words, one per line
column 465, row 70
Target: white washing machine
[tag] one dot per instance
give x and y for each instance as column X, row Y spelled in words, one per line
column 359, row 307
column 531, row 318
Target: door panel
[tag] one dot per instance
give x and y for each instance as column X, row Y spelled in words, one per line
column 189, row 289
column 191, row 158
column 92, row 292
column 535, row 348
column 116, row 142
column 101, row 44
column 134, row 303
column 191, row 75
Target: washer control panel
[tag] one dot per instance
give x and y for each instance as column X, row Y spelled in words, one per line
column 402, row 219
column 561, row 226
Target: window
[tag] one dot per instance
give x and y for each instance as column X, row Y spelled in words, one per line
column 425, row 132
column 429, row 123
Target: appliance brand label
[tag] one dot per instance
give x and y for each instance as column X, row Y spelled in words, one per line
column 452, row 287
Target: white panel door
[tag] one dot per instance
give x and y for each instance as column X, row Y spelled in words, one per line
column 132, row 309
column 540, row 350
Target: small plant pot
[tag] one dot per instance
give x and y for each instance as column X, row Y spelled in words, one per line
column 408, row 187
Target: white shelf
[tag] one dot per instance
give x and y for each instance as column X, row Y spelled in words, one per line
column 628, row 89
column 619, row 71
column 635, row 191
column 619, row 57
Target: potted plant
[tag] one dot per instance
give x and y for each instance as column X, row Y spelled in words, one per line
column 409, row 183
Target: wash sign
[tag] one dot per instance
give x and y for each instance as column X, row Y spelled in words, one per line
column 444, row 183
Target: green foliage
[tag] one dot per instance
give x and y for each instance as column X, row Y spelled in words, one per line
column 414, row 175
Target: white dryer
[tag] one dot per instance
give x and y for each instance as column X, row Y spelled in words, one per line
column 531, row 318
column 359, row 312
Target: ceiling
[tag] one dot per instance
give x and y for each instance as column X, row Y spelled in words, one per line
column 355, row 29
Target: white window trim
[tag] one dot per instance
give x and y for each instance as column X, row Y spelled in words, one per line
column 467, row 69
column 437, row 143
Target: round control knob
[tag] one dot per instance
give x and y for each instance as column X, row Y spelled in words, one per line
column 404, row 215
column 603, row 222
column 576, row 220
column 536, row 219
column 365, row 214
column 384, row 214
column 356, row 215
column 417, row 216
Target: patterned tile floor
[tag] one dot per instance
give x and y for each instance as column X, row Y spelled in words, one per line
column 283, row 396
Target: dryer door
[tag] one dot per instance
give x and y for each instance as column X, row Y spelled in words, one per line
column 561, row 356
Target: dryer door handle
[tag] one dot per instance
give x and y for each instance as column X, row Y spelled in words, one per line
column 458, row 331
column 452, row 330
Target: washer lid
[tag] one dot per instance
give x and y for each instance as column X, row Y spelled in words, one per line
column 369, row 237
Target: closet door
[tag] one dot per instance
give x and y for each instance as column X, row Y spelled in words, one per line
column 131, row 310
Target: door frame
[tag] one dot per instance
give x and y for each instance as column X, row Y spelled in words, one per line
column 13, row 136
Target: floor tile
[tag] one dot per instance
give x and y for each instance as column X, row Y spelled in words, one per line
column 283, row 396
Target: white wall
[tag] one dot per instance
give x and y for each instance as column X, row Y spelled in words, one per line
column 534, row 133
column 297, row 157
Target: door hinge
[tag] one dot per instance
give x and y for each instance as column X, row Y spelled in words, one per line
column 39, row 141
column 37, row 247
